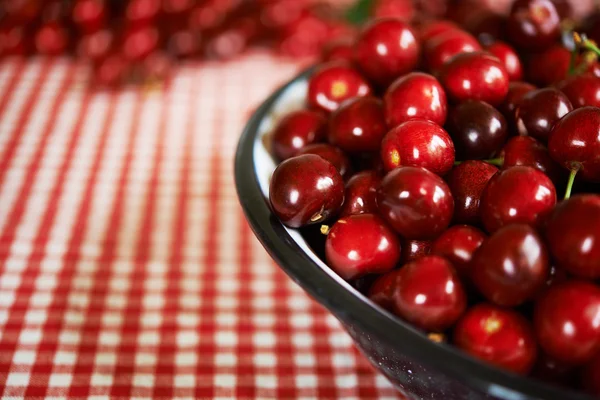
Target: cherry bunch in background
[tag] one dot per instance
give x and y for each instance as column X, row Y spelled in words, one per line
column 451, row 172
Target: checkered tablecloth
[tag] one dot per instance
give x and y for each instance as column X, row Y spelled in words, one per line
column 126, row 266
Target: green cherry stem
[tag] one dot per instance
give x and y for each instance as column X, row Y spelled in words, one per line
column 585, row 43
column 572, row 175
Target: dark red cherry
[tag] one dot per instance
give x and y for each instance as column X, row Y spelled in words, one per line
column 382, row 290
column 305, row 190
column 527, row 151
column 551, row 370
column 566, row 321
column 112, row 70
column 539, row 110
column 497, row 335
column 341, row 49
column 418, row 144
column 333, row 83
column 332, row 154
column 296, row 130
column 358, row 245
column 429, row 294
column 511, row 266
column 516, row 195
column 441, row 48
column 415, row 202
column 13, row 41
column 475, row 76
column 533, row 24
column 509, row 58
column 516, row 92
column 414, row 249
column 358, row 125
column 575, row 142
column 573, row 235
column 141, row 12
column 361, row 194
column 548, row 66
column 95, row 46
column 434, row 28
column 415, row 96
column 591, row 376
column 467, row 182
column 477, row 129
column 89, row 15
column 457, row 245
column 582, row 90
column 386, row 49
column 51, row 39
column 140, row 42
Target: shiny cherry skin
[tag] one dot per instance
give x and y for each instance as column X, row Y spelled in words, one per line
column 306, row 190
column 467, row 182
column 591, row 376
column 511, row 266
column 382, row 290
column 89, row 15
column 341, row 49
column 386, row 49
column 477, row 129
column 334, row 83
column 361, row 194
column 414, row 249
column 566, row 321
column 497, row 335
column 440, row 49
column 516, row 195
column 434, row 28
column 509, row 58
column 429, row 294
column 415, row 96
column 514, row 97
column 575, row 142
column 582, row 90
column 527, row 151
column 539, row 110
column 418, row 144
column 51, row 39
column 333, row 154
column 415, row 202
column 475, row 76
column 297, row 130
column 573, row 235
column 533, row 24
column 358, row 245
column 358, row 125
column 457, row 245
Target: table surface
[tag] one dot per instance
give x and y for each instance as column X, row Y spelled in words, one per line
column 126, row 266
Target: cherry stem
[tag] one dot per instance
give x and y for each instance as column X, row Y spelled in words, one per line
column 572, row 61
column 572, row 175
column 584, row 42
column 494, row 161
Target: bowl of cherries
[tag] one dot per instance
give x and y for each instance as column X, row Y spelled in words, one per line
column 442, row 204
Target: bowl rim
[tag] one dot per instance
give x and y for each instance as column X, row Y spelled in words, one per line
column 343, row 303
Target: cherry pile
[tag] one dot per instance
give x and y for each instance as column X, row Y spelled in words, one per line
column 452, row 174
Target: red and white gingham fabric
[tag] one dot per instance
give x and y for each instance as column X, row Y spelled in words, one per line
column 127, row 269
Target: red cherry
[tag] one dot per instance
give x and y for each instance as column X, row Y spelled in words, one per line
column 140, row 12
column 509, row 58
column 306, row 190
column 514, row 97
column 401, row 9
column 549, row 66
column 361, row 194
column 358, row 125
column 414, row 249
column 334, row 83
column 332, row 154
column 476, row 76
column 457, row 245
column 526, row 151
column 442, row 48
column 138, row 43
column 418, row 144
column 386, row 49
column 13, row 41
column 434, row 28
column 467, row 182
column 111, row 71
column 296, row 130
column 51, row 39
column 567, row 321
column 540, row 110
column 415, row 202
column 573, row 235
column 582, row 90
column 95, row 46
column 477, row 129
column 488, row 27
column 183, row 43
column 89, row 15
column 533, row 24
column 516, row 195
column 429, row 294
column 340, row 49
column 511, row 266
column 415, row 96
column 591, row 376
column 382, row 290
column 358, row 245
column 575, row 142
column 498, row 336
